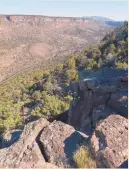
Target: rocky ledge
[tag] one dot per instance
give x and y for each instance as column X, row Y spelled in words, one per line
column 97, row 119
column 97, row 95
column 43, row 144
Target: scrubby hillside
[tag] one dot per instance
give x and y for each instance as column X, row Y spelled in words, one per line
column 26, row 42
column 112, row 51
column 46, row 92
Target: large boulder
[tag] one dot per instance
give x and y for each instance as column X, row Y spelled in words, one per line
column 59, row 141
column 25, row 151
column 109, row 142
column 32, row 157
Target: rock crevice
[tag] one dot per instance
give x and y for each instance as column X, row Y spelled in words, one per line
column 98, row 88
column 100, row 109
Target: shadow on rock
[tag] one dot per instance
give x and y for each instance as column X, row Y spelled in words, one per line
column 124, row 164
column 72, row 143
column 9, row 138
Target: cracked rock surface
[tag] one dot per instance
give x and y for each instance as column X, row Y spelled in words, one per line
column 103, row 88
column 109, row 142
column 25, row 151
column 43, row 145
column 60, row 141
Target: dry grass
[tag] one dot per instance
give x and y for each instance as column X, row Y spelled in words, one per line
column 82, row 158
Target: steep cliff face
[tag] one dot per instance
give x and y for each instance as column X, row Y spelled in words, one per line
column 27, row 42
column 37, row 19
column 104, row 92
column 100, row 110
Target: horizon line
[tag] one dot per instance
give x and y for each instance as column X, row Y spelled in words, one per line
column 81, row 17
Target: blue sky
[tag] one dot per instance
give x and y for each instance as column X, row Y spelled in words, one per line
column 117, row 10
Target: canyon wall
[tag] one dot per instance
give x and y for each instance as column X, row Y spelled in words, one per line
column 27, row 42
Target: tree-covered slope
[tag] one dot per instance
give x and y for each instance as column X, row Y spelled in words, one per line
column 112, row 51
column 116, row 42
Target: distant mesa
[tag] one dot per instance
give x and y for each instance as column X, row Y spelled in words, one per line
column 99, row 18
column 108, row 21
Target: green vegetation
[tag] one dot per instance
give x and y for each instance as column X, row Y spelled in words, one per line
column 116, row 43
column 70, row 63
column 46, row 92
column 71, row 75
column 59, row 68
column 41, row 93
column 111, row 52
column 82, row 158
column 121, row 65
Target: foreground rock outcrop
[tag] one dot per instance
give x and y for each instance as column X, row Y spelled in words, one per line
column 109, row 142
column 53, row 140
column 25, row 152
column 60, row 141
column 44, row 145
